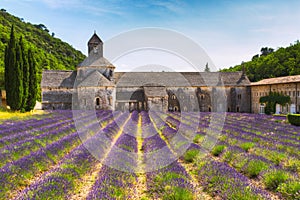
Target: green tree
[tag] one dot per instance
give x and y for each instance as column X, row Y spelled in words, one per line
column 266, row 51
column 32, row 85
column 18, row 79
column 9, row 61
column 270, row 63
column 25, row 73
column 13, row 73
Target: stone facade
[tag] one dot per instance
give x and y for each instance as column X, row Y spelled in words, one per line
column 95, row 85
column 289, row 85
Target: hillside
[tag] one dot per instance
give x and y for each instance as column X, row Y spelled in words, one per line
column 50, row 52
column 270, row 63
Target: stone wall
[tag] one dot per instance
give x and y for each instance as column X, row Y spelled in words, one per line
column 290, row 89
column 57, row 99
column 90, row 98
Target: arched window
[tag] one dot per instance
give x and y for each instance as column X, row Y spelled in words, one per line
column 173, row 97
column 175, row 109
column 97, row 101
column 209, row 109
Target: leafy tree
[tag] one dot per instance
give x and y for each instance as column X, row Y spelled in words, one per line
column 283, row 62
column 255, row 57
column 266, row 51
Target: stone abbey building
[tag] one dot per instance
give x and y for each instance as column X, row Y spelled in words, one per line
column 95, row 85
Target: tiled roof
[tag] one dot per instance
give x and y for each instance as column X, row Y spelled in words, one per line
column 95, row 60
column 180, row 79
column 95, row 79
column 278, row 80
column 155, row 91
column 66, row 79
column 95, row 39
column 58, row 79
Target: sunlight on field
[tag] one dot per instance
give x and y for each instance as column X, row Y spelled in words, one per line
column 5, row 115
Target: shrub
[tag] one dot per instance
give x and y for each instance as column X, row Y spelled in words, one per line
column 247, row 145
column 190, row 155
column 198, row 138
column 217, row 150
column 228, row 156
column 254, row 167
column 274, row 178
column 177, row 193
column 292, row 164
column 294, row 119
column 290, row 190
column 277, row 157
column 240, row 161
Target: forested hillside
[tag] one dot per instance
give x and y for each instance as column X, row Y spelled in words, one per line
column 270, row 63
column 49, row 52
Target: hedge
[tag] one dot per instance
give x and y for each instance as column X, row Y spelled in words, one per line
column 294, row 119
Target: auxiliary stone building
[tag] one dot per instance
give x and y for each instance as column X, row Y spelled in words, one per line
column 96, row 85
column 288, row 85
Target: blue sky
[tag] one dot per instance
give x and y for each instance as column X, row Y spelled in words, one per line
column 230, row 31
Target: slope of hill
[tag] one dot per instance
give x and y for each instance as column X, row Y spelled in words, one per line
column 269, row 64
column 50, row 52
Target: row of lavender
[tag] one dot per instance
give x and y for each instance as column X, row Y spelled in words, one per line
column 258, row 149
column 159, row 180
column 154, row 143
column 50, row 139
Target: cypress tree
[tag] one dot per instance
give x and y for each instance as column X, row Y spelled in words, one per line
column 25, row 74
column 14, row 73
column 6, row 73
column 10, row 62
column 18, row 79
column 32, row 85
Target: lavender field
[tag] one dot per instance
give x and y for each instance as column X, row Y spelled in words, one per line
column 246, row 156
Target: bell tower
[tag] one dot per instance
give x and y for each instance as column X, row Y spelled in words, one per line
column 95, row 45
